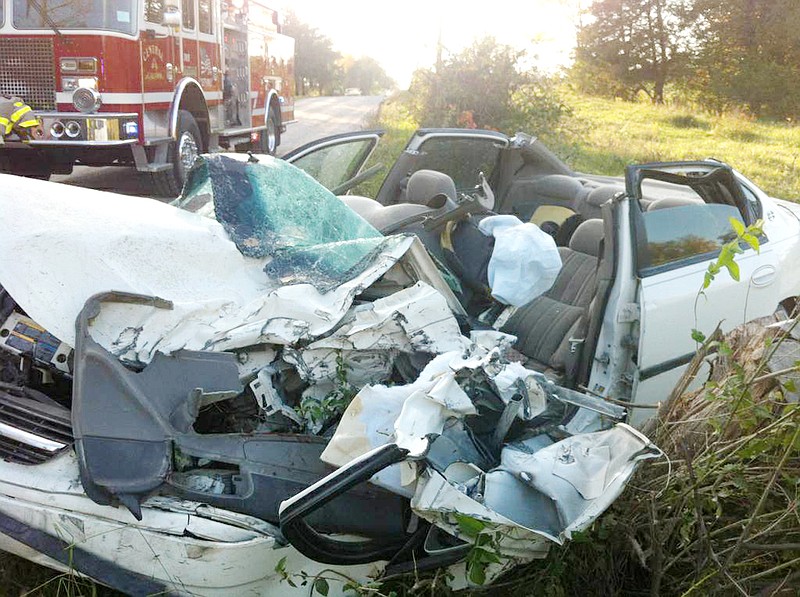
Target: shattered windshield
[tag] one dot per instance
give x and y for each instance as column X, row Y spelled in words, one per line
column 270, row 208
column 113, row 15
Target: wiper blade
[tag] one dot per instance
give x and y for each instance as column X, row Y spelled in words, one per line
column 46, row 17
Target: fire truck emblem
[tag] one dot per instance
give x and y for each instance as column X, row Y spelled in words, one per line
column 153, row 61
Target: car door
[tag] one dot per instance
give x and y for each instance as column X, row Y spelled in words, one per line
column 462, row 154
column 680, row 218
column 336, row 162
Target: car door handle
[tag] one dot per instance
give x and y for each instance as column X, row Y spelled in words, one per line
column 764, row 275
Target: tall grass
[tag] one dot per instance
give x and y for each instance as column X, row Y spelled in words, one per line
column 606, row 135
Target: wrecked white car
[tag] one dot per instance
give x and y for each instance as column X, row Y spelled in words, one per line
column 618, row 320
column 207, row 405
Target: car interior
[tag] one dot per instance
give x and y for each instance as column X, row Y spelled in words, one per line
column 553, row 328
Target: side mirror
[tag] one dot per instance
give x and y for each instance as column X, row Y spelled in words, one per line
column 172, row 16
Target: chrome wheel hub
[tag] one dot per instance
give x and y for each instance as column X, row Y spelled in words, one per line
column 187, row 151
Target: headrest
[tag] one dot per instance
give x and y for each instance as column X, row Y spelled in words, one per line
column 586, row 238
column 427, row 186
column 591, row 202
column 668, row 202
column 601, row 195
column 558, row 186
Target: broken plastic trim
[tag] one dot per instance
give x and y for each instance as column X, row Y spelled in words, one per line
column 129, row 424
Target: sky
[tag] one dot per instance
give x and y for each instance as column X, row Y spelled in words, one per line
column 402, row 35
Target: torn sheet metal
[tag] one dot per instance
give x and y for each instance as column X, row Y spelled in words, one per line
column 495, row 448
column 135, row 429
column 546, row 496
column 415, row 319
column 411, row 412
column 80, row 242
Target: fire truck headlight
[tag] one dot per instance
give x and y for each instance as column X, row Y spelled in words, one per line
column 86, row 100
column 73, row 129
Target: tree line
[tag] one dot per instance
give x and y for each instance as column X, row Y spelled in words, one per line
column 721, row 54
column 319, row 69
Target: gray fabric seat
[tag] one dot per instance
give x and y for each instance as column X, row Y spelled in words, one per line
column 545, row 326
column 428, row 192
column 382, row 217
column 430, row 188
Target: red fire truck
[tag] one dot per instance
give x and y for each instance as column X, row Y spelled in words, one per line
column 144, row 83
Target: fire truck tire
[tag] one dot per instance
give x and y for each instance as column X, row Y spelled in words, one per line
column 183, row 153
column 270, row 138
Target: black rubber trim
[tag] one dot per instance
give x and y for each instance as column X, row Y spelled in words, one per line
column 321, row 548
column 645, row 374
column 103, row 571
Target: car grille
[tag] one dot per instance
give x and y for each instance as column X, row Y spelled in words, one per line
column 27, row 70
column 31, row 431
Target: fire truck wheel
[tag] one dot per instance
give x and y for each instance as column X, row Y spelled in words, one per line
column 270, row 138
column 183, row 154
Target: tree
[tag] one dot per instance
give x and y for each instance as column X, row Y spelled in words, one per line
column 748, row 54
column 367, row 75
column 484, row 86
column 630, row 46
column 316, row 61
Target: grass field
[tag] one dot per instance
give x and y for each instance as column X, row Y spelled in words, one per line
column 603, row 136
column 608, row 135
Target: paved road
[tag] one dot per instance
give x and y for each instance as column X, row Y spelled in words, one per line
column 316, row 117
column 323, row 116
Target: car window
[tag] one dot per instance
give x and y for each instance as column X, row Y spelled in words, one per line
column 686, row 221
column 337, row 163
column 461, row 158
column 687, row 231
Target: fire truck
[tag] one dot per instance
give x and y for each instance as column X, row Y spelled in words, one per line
column 144, row 83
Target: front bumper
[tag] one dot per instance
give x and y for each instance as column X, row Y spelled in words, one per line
column 100, row 129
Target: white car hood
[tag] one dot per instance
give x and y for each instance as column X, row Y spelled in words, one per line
column 70, row 243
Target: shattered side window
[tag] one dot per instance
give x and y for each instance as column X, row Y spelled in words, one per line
column 270, row 208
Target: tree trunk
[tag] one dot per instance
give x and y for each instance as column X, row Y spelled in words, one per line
column 658, row 92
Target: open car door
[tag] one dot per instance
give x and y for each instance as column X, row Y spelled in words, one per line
column 336, row 162
column 680, row 216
